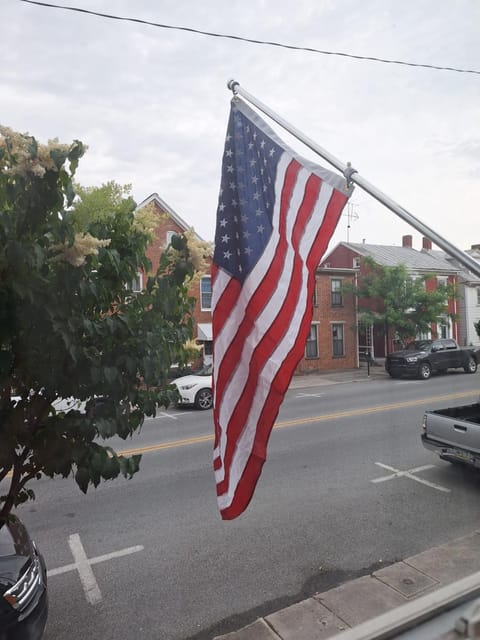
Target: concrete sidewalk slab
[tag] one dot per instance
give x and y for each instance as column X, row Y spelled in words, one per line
column 405, row 579
column 451, row 561
column 361, row 599
column 306, row 620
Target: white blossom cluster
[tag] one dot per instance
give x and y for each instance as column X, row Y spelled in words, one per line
column 146, row 220
column 28, row 155
column 83, row 246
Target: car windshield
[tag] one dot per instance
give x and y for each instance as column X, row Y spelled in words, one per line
column 419, row 345
column 204, row 371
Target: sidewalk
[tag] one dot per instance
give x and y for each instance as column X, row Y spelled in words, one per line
column 356, row 608
column 361, row 374
column 353, row 603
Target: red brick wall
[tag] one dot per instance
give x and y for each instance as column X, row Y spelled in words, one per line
column 325, row 315
column 165, row 224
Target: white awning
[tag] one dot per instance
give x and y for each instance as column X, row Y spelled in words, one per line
column 204, row 331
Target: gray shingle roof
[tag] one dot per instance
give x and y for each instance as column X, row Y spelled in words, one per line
column 392, row 256
column 464, row 275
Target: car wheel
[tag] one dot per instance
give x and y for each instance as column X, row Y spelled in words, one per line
column 471, row 366
column 425, row 371
column 204, row 399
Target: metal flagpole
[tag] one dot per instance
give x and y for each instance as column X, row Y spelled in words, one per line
column 353, row 176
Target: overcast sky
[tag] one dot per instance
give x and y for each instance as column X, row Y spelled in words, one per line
column 152, row 103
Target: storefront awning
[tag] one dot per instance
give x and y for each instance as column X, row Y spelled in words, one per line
column 204, row 331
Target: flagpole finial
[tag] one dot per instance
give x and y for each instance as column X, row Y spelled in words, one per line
column 233, row 86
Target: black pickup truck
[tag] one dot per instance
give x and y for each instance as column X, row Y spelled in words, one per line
column 423, row 357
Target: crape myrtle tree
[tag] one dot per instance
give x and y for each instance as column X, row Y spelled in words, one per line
column 70, row 324
column 391, row 297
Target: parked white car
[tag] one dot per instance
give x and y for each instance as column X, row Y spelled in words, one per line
column 196, row 389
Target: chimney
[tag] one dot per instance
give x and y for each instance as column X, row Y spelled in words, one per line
column 407, row 241
column 426, row 244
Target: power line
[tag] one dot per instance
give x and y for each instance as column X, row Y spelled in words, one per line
column 250, row 40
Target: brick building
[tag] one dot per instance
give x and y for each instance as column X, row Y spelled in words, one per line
column 169, row 224
column 418, row 263
column 332, row 341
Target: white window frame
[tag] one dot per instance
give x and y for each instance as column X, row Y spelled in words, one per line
column 169, row 236
column 203, row 306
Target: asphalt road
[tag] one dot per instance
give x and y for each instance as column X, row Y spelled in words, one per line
column 151, row 559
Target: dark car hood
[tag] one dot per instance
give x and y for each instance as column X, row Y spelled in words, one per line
column 405, row 353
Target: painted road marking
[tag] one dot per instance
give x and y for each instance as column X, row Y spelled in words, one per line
column 310, row 395
column 164, row 414
column 350, row 413
column 304, row 421
column 409, row 473
column 83, row 565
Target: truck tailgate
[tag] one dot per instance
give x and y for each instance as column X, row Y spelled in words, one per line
column 453, row 431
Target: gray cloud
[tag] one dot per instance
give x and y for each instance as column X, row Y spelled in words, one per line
column 152, row 104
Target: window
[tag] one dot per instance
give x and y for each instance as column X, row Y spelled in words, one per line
column 311, row 348
column 356, row 262
column 208, row 348
column 205, row 293
column 337, row 340
column 137, row 283
column 478, row 295
column 169, row 237
column 336, row 292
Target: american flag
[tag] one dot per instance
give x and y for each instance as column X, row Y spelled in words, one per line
column 276, row 215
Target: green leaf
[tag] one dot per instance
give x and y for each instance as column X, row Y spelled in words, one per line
column 82, row 478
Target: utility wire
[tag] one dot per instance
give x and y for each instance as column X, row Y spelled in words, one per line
column 250, row 40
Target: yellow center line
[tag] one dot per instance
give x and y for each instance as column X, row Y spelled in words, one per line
column 321, row 418
column 299, row 421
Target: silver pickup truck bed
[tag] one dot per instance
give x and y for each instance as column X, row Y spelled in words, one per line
column 454, row 433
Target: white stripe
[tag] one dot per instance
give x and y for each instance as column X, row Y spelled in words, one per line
column 247, row 438
column 89, row 583
column 107, row 556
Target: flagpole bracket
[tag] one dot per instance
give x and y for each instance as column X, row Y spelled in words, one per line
column 233, row 86
column 348, row 173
